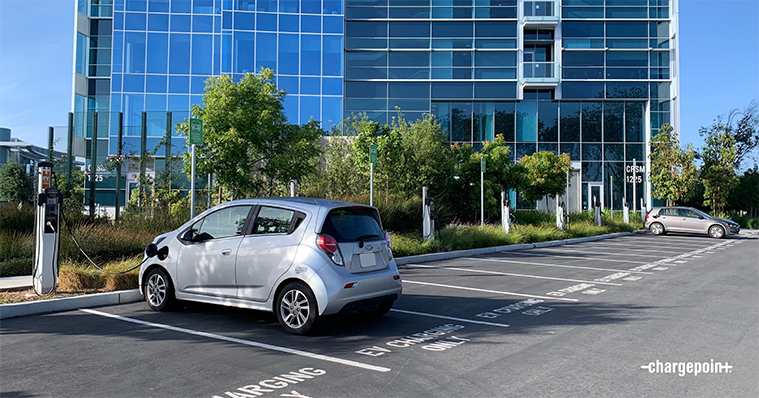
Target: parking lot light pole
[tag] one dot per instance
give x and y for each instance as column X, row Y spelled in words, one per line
column 482, row 190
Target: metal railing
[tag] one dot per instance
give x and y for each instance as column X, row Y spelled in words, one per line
column 539, row 9
column 540, row 70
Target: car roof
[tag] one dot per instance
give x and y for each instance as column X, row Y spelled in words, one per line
column 312, row 204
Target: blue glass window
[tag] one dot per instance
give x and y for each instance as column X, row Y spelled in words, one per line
column 495, row 90
column 227, row 20
column 495, row 58
column 290, row 104
column 461, row 120
column 366, row 29
column 266, row 5
column 333, row 7
column 582, row 29
column 226, row 47
column 197, row 84
column 202, row 23
column 202, row 6
column 202, row 54
column 310, row 85
column 582, row 12
column 118, row 51
column 583, row 58
column 289, row 23
column 333, row 86
column 309, row 108
column 332, row 109
column 158, row 6
column 180, row 85
column 310, row 24
column 591, row 121
column 244, row 52
column 180, row 23
column 136, row 5
column 626, row 90
column 267, row 22
column 134, row 83
column 115, row 83
column 366, row 89
column 135, row 21
column 183, row 6
column 81, row 53
column 289, row 84
column 452, row 29
column 627, row 29
column 310, row 7
column 288, row 54
column 179, row 53
column 133, row 107
column 333, row 55
column 452, row 90
column 158, row 49
column 245, row 21
column 158, row 22
column 627, row 58
column 572, row 90
column 409, row 29
column 266, row 53
column 331, row 24
column 290, row 6
column 527, row 121
column 155, row 84
column 310, row 57
column 410, row 58
column 216, row 55
column 134, row 61
column 245, row 5
column 451, row 58
column 118, row 21
column 495, row 29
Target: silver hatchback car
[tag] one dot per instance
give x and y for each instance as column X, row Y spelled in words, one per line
column 661, row 220
column 300, row 258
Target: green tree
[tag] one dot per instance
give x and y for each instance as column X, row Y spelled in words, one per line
column 745, row 196
column 673, row 172
column 718, row 174
column 545, row 174
column 15, row 184
column 409, row 155
column 743, row 125
column 500, row 174
column 247, row 142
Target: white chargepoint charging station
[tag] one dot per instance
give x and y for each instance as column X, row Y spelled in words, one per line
column 643, row 211
column 559, row 213
column 46, row 231
column 505, row 212
column 428, row 223
column 597, row 210
column 293, row 185
column 626, row 212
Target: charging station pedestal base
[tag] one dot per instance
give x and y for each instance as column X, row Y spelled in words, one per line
column 46, row 231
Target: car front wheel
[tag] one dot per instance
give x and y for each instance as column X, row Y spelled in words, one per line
column 716, row 231
column 159, row 291
column 296, row 308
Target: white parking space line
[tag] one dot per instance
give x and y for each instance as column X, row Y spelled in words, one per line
column 241, row 341
column 657, row 250
column 450, row 318
column 670, row 242
column 500, row 260
column 601, row 253
column 474, row 289
column 511, row 274
column 583, row 258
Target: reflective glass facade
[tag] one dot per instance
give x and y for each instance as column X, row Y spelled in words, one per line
column 591, row 78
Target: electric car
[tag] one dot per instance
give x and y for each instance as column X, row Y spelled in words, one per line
column 301, row 258
column 661, row 220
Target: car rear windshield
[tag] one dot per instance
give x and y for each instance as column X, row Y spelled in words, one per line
column 352, row 224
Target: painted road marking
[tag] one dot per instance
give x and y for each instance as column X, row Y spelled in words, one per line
column 485, row 290
column 241, row 341
column 681, row 261
column 636, row 244
column 582, row 258
column 607, row 254
column 660, row 268
column 450, row 318
column 553, row 265
column 658, row 250
column 510, row 274
column 632, row 278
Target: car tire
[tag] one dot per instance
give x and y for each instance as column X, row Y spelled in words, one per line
column 716, row 231
column 376, row 311
column 159, row 290
column 656, row 228
column 296, row 308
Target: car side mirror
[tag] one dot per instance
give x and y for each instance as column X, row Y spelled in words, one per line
column 202, row 237
column 700, row 217
column 187, row 236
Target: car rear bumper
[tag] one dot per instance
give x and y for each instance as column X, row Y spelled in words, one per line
column 367, row 289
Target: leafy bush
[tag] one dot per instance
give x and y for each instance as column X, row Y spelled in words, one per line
column 75, row 278
column 14, row 220
column 16, row 267
column 409, row 244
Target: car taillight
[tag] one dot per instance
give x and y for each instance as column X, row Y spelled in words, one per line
column 388, row 240
column 646, row 217
column 327, row 243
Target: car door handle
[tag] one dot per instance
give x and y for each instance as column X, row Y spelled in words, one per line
column 226, row 252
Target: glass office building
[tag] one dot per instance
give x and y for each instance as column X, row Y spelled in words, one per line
column 591, row 78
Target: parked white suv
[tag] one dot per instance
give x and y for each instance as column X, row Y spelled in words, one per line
column 298, row 257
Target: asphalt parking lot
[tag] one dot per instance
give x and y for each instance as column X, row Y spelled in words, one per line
column 577, row 320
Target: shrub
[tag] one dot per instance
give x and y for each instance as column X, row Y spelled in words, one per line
column 15, row 245
column 75, row 278
column 14, row 220
column 409, row 244
column 16, row 267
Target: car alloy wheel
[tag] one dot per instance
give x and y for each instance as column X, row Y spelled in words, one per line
column 297, row 309
column 156, row 290
column 657, row 229
column 717, row 232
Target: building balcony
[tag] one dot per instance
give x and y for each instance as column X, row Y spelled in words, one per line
column 540, row 74
column 540, row 13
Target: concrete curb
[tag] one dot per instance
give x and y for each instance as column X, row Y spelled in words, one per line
column 422, row 258
column 69, row 303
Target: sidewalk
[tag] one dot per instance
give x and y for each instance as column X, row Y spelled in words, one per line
column 13, row 283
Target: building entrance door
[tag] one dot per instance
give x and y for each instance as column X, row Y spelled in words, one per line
column 595, row 190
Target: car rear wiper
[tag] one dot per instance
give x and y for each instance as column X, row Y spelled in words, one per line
column 361, row 238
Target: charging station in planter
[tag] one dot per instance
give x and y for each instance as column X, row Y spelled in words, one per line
column 46, row 231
